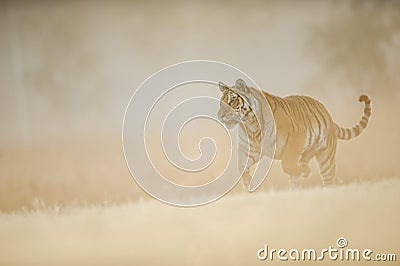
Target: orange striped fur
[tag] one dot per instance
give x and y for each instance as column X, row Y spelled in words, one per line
column 303, row 126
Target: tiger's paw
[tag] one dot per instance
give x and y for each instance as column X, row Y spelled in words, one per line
column 295, row 182
column 305, row 170
column 246, row 178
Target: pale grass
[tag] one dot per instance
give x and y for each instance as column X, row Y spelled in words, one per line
column 228, row 232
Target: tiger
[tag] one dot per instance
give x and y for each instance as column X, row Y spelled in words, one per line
column 293, row 130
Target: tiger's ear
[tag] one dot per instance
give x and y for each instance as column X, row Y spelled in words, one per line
column 241, row 87
column 222, row 86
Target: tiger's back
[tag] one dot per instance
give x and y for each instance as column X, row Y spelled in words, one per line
column 300, row 116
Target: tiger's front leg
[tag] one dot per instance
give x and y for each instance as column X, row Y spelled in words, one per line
column 246, row 161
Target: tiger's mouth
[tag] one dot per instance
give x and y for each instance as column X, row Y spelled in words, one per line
column 230, row 124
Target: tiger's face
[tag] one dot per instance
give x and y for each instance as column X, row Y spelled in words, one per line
column 233, row 108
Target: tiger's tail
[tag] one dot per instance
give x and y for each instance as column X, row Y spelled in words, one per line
column 349, row 133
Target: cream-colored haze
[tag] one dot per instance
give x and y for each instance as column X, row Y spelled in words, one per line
column 68, row 70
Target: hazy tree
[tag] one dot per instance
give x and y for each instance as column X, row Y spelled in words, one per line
column 359, row 44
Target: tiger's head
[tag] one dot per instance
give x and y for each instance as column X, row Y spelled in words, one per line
column 234, row 103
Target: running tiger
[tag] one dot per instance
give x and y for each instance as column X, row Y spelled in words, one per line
column 303, row 129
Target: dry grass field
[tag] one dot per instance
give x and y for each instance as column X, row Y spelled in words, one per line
column 228, row 232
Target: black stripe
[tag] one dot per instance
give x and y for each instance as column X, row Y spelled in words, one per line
column 348, row 134
column 316, row 109
column 318, row 121
column 365, row 120
column 356, row 130
column 341, row 134
column 331, row 171
column 286, row 108
column 320, row 106
column 330, row 157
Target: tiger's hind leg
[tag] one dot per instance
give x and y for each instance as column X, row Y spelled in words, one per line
column 291, row 161
column 327, row 164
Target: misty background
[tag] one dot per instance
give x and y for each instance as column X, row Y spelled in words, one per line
column 68, row 70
